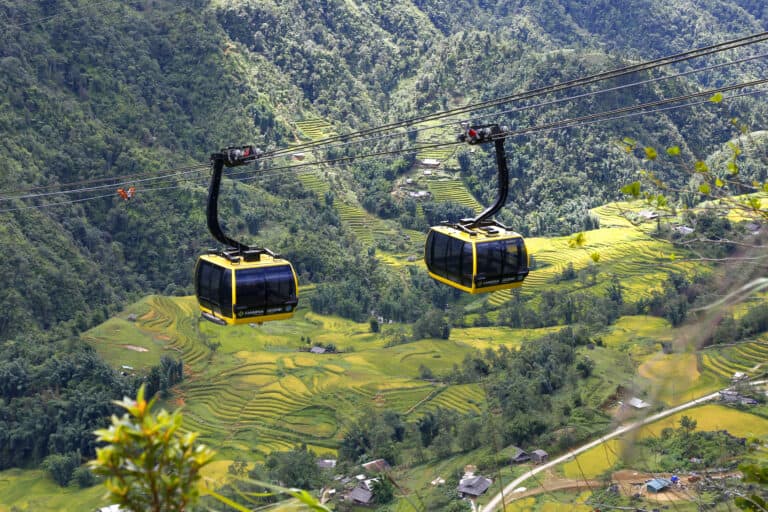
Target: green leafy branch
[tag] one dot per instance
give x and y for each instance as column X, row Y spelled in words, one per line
column 150, row 465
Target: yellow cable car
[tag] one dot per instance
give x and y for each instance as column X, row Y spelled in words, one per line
column 479, row 255
column 241, row 284
column 476, row 260
column 237, row 289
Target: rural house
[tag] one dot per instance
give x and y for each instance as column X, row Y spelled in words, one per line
column 360, row 496
column 657, row 485
column 377, row 466
column 539, row 456
column 473, row 486
column 519, row 456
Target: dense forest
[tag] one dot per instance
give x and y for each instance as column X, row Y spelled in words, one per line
column 147, row 89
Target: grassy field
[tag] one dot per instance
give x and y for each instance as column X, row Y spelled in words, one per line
column 594, row 462
column 257, row 392
column 716, row 417
column 33, row 491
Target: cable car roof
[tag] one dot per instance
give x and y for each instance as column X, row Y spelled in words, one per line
column 264, row 260
column 477, row 234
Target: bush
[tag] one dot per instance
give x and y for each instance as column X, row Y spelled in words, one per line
column 61, row 466
column 83, row 477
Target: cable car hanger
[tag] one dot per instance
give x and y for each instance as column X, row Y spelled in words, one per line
column 479, row 135
column 480, row 254
column 229, row 157
column 241, row 284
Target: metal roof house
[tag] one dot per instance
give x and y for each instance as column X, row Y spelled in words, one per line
column 473, row 486
column 520, row 455
column 377, row 466
column 360, row 495
column 657, row 485
column 539, row 456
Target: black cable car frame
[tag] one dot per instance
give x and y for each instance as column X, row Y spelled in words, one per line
column 241, row 284
column 479, row 255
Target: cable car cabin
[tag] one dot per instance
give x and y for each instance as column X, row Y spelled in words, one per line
column 236, row 289
column 476, row 260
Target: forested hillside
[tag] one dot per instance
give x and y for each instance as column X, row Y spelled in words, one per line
column 136, row 89
column 100, row 95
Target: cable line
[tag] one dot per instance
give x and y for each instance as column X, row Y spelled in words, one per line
column 285, row 152
column 56, row 15
column 598, row 77
column 383, row 136
column 611, row 115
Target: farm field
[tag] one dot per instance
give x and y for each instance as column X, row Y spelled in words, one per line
column 33, row 491
column 257, row 392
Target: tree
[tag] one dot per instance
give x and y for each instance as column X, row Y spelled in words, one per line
column 61, row 466
column 295, row 468
column 151, row 467
column 383, row 490
column 148, row 463
column 754, row 500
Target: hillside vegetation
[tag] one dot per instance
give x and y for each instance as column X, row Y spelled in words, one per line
column 96, row 96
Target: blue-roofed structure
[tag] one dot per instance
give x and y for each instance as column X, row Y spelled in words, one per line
column 657, row 485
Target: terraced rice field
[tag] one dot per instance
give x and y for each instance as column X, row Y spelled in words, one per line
column 441, row 154
column 748, row 357
column 641, row 260
column 453, row 190
column 715, row 417
column 33, row 490
column 312, row 180
column 258, row 393
column 369, row 229
column 676, row 378
column 594, row 462
column 315, row 129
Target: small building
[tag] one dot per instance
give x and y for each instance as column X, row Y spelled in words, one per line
column 683, row 230
column 519, row 456
column 377, row 466
column 111, row 508
column 657, row 485
column 368, row 483
column 539, row 456
column 474, row 486
column 638, row 403
column 431, row 163
column 326, row 463
column 317, row 350
column 739, row 376
column 360, row 496
column 648, row 214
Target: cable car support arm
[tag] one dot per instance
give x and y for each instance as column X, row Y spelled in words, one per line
column 488, row 133
column 230, row 157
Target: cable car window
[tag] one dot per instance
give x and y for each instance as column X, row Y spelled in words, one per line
column 466, row 265
column 280, row 285
column 251, row 288
column 511, row 254
column 453, row 258
column 225, row 292
column 490, row 263
column 213, row 287
column 437, row 246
